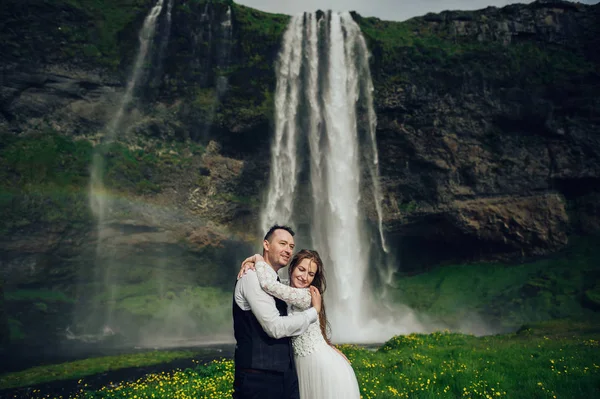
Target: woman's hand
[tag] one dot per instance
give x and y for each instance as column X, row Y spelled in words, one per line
column 315, row 297
column 249, row 263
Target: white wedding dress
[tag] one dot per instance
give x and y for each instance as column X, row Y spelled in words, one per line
column 322, row 372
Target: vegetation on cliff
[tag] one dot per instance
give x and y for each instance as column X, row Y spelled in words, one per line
column 456, row 52
column 44, row 178
column 460, row 81
column 79, row 31
column 44, row 183
column 497, row 296
column 4, row 327
column 245, row 61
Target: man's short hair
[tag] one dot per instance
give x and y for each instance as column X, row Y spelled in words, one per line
column 278, row 227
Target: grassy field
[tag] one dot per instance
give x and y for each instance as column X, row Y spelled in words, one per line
column 553, row 350
column 87, row 367
column 505, row 296
column 556, row 359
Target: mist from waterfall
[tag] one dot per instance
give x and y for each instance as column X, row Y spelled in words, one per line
column 325, row 121
column 97, row 194
column 106, row 287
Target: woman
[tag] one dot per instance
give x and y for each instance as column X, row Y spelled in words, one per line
column 323, row 371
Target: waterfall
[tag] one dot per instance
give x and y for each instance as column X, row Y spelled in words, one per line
column 284, row 168
column 344, row 248
column 204, row 15
column 314, row 128
column 218, row 34
column 146, row 34
column 169, row 10
column 324, row 102
column 165, row 39
column 224, row 53
column 206, row 26
column 98, row 201
column 372, row 155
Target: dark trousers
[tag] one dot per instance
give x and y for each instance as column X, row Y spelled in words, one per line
column 258, row 384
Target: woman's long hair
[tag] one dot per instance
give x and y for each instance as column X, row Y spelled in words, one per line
column 319, row 281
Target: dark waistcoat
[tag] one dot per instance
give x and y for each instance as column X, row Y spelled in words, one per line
column 254, row 348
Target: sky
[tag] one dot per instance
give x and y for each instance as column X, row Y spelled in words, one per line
column 391, row 10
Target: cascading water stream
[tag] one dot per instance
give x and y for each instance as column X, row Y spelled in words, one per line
column 323, row 97
column 284, row 168
column 98, row 205
column 224, row 53
column 219, row 52
column 204, row 15
column 164, row 42
column 344, row 247
column 226, row 35
column 314, row 127
column 146, row 36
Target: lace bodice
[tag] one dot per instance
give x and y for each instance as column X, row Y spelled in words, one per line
column 299, row 300
column 305, row 344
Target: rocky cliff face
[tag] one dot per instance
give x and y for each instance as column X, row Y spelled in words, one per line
column 487, row 126
column 4, row 329
column 487, row 131
column 476, row 110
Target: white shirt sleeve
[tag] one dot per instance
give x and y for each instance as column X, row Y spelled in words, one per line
column 250, row 296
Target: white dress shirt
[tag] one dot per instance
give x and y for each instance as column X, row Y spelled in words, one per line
column 249, row 296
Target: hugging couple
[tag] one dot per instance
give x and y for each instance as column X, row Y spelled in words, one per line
column 283, row 349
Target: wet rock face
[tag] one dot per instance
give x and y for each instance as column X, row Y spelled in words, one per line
column 482, row 160
column 4, row 330
column 498, row 226
column 551, row 21
column 75, row 99
column 484, row 144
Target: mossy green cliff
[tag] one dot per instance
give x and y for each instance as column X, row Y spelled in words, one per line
column 487, row 136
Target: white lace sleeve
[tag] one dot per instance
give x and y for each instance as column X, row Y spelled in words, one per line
column 299, row 297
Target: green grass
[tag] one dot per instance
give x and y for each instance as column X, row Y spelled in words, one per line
column 509, row 295
column 44, row 177
column 254, row 24
column 207, row 306
column 558, row 359
column 174, row 309
column 96, row 31
column 109, row 18
column 545, row 360
column 391, row 34
column 238, row 199
column 51, row 159
column 565, row 74
column 87, row 367
column 15, row 330
column 43, row 158
column 42, row 204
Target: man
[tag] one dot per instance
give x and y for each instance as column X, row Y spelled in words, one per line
column 264, row 361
